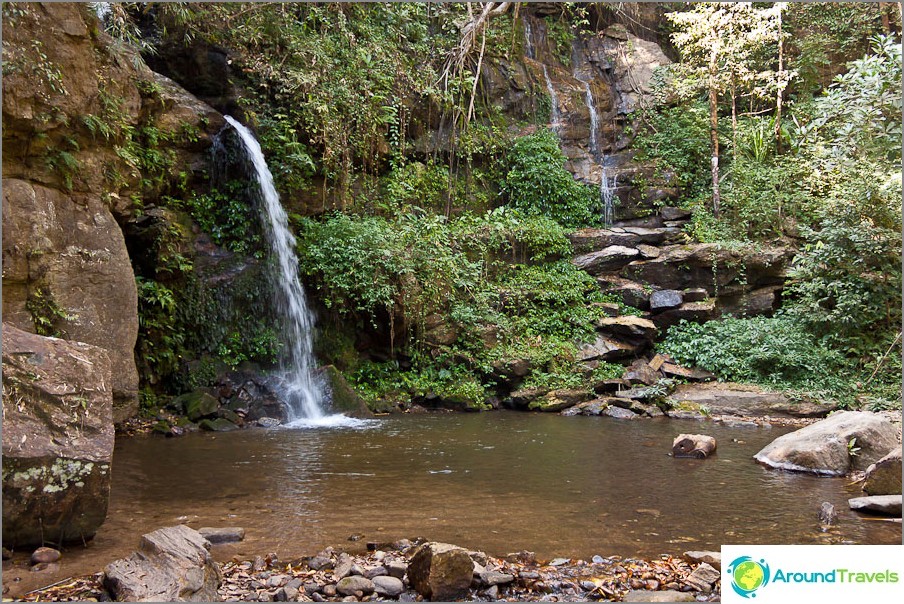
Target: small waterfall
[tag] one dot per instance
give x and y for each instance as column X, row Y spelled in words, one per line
column 555, row 116
column 528, row 42
column 594, row 119
column 304, row 394
column 607, row 192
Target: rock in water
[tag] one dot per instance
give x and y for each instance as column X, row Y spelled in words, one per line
column 699, row 446
column 57, row 438
column 827, row 513
column 226, row 534
column 884, row 476
column 879, row 504
column 441, row 572
column 826, row 446
column 172, row 564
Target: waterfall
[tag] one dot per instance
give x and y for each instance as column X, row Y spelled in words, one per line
column 554, row 115
column 594, row 119
column 607, row 192
column 528, row 43
column 303, row 393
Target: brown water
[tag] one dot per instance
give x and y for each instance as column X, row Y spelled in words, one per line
column 500, row 482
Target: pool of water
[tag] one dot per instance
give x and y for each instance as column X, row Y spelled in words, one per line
column 499, row 482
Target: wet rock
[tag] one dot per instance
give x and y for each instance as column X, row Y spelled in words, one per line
column 658, row 596
column 45, row 555
column 665, row 299
column 268, row 422
column 827, row 514
column 342, row 397
column 714, row 559
column 703, row 578
column 355, row 583
column 524, row 397
column 172, row 564
column 197, row 404
column 226, row 534
column 827, row 447
column 595, row 407
column 889, row 505
column 440, row 571
column 217, row 425
column 884, row 476
column 699, row 446
column 57, row 438
column 610, row 258
column 388, row 586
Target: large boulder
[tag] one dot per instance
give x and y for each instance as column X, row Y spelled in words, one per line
column 441, row 572
column 343, row 398
column 66, row 271
column 172, row 564
column 57, row 438
column 845, row 441
column 610, row 258
column 884, row 476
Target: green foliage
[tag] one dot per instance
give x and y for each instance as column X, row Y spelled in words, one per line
column 229, row 218
column 160, row 340
column 387, row 382
column 560, row 35
column 677, row 138
column 46, row 314
column 261, row 347
column 537, row 183
column 776, row 351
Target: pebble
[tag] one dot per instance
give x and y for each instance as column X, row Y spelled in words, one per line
column 258, row 564
column 376, row 571
column 598, row 559
column 317, row 597
column 319, row 562
column 45, row 554
column 329, row 590
column 559, row 561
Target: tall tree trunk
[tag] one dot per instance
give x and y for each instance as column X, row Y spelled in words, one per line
column 714, row 127
column 781, row 85
column 734, row 119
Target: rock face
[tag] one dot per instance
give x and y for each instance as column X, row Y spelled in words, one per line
column 440, row 571
column 172, row 564
column 67, row 188
column 57, row 438
column 343, row 398
column 845, row 441
column 884, row 476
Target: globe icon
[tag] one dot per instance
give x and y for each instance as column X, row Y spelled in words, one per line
column 749, row 575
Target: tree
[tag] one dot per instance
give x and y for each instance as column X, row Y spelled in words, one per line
column 721, row 46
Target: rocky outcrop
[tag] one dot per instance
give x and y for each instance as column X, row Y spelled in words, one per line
column 884, row 476
column 342, row 397
column 845, row 441
column 726, row 398
column 441, row 572
column 57, row 438
column 73, row 103
column 172, row 564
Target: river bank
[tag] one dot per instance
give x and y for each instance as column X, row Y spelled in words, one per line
column 382, row 574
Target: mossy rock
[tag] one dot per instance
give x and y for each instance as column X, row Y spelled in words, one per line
column 343, row 398
column 196, row 405
column 217, row 425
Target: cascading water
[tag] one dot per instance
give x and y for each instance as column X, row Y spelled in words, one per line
column 528, row 42
column 304, row 394
column 594, row 119
column 554, row 114
column 607, row 192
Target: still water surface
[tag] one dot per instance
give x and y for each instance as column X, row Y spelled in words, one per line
column 500, row 482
